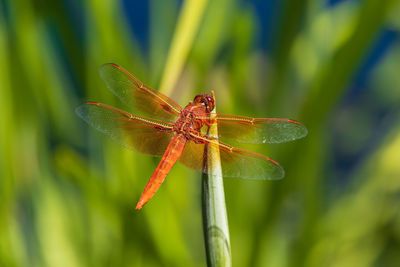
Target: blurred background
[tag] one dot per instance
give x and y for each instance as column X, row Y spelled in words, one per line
column 67, row 192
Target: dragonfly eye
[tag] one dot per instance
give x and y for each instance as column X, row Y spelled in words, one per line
column 198, row 99
column 210, row 104
column 207, row 100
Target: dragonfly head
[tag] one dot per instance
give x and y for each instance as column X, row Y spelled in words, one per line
column 206, row 100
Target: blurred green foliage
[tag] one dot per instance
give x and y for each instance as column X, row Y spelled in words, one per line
column 67, row 193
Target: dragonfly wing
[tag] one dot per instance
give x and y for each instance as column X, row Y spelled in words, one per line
column 140, row 97
column 258, row 130
column 148, row 136
column 235, row 162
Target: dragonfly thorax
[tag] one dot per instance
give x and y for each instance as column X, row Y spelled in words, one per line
column 189, row 121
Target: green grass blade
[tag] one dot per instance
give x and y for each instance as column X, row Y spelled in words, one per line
column 186, row 29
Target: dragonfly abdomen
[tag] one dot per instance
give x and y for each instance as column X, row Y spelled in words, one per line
column 171, row 155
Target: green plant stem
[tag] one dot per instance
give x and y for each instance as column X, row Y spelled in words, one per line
column 215, row 219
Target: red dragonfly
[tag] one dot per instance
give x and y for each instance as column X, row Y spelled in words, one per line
column 179, row 134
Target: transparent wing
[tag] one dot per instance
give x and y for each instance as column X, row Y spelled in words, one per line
column 235, row 162
column 258, row 130
column 145, row 135
column 142, row 98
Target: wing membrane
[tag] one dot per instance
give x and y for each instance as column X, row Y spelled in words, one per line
column 258, row 130
column 145, row 135
column 235, row 162
column 140, row 97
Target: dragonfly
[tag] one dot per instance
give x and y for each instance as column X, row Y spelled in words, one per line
column 165, row 129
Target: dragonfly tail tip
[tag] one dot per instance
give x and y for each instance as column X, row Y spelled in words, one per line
column 140, row 204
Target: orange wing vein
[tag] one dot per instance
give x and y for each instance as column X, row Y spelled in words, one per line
column 145, row 135
column 235, row 162
column 258, row 130
column 142, row 98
